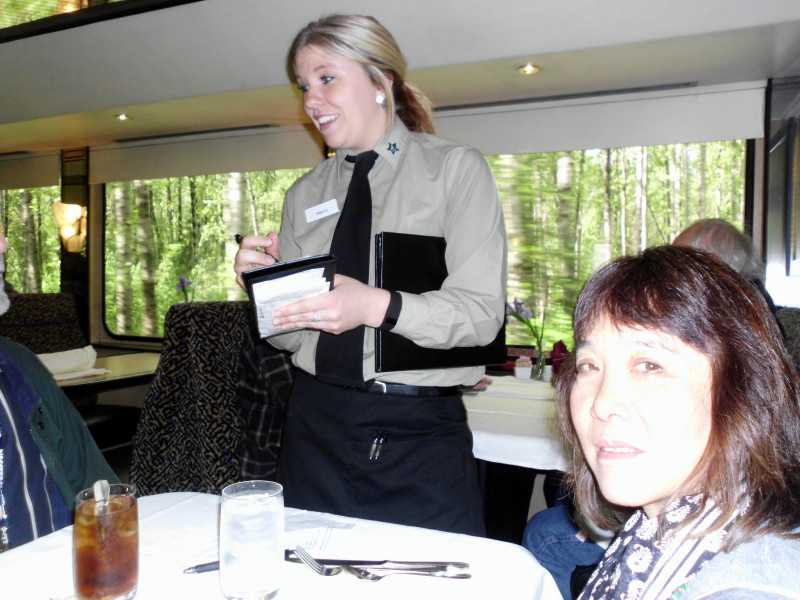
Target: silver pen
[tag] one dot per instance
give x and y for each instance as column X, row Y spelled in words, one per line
column 202, row 568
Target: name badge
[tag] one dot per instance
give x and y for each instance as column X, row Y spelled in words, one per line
column 320, row 211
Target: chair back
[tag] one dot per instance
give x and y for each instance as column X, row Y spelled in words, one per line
column 190, row 427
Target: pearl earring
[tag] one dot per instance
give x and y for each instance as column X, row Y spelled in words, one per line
column 380, row 98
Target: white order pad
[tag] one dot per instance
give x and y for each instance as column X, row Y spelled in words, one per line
column 283, row 283
column 274, row 293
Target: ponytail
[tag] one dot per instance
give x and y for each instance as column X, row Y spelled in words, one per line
column 413, row 107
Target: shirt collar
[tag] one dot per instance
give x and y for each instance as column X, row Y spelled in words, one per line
column 391, row 147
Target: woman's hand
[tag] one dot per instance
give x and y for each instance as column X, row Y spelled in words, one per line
column 350, row 304
column 256, row 251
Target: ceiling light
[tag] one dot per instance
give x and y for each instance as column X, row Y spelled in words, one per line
column 529, row 69
column 122, row 117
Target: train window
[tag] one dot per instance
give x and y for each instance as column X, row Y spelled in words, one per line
column 33, row 256
column 568, row 212
column 171, row 240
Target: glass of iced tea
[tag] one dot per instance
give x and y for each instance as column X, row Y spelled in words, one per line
column 106, row 544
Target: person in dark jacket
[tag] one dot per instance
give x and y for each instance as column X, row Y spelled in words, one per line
column 47, row 454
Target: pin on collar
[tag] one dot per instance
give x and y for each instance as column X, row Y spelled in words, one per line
column 392, row 147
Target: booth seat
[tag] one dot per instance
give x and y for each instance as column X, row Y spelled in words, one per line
column 789, row 319
column 43, row 322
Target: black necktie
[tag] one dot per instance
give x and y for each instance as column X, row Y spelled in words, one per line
column 340, row 357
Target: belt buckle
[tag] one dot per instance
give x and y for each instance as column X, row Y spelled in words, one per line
column 382, row 386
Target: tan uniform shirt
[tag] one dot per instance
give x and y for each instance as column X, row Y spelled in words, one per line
column 424, row 185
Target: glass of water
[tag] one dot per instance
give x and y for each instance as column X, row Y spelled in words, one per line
column 251, row 540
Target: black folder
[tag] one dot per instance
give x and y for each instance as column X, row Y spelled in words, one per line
column 282, row 269
column 412, row 263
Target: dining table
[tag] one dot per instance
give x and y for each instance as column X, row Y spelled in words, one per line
column 513, row 422
column 115, row 371
column 516, row 439
column 181, row 529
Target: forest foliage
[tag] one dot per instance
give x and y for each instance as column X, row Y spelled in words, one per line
column 566, row 213
column 16, row 12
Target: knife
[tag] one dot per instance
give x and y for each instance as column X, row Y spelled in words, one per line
column 333, row 562
column 392, row 564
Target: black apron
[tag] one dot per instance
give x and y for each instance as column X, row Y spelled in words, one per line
column 399, row 459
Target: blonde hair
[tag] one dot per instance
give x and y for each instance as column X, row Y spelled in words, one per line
column 364, row 40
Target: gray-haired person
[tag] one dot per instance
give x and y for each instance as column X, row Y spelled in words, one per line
column 731, row 246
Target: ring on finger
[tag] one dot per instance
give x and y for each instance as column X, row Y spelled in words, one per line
column 316, row 317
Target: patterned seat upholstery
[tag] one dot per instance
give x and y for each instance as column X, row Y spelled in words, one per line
column 43, row 322
column 789, row 319
column 190, row 426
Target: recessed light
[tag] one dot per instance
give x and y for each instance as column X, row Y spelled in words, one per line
column 122, row 117
column 529, row 69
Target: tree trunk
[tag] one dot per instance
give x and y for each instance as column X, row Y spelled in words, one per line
column 577, row 187
column 606, row 226
column 195, row 226
column 564, row 226
column 179, row 234
column 623, row 208
column 641, row 197
column 68, row 6
column 233, row 216
column 514, row 217
column 32, row 275
column 123, row 291
column 252, row 204
column 144, row 247
column 674, row 177
column 4, row 210
column 701, row 197
column 687, row 186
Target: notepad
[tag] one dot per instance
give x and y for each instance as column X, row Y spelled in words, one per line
column 280, row 284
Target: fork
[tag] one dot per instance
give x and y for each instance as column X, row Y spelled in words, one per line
column 313, row 564
column 368, row 575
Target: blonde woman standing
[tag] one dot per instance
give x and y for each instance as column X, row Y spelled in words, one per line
column 392, row 446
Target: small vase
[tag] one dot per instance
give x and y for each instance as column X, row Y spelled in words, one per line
column 538, row 366
column 522, row 372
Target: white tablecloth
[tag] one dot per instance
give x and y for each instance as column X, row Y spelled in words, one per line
column 514, row 422
column 179, row 530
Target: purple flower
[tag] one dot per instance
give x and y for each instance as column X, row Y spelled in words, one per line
column 519, row 310
column 183, row 286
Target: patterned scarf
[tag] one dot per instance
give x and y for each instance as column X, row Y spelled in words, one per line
column 647, row 561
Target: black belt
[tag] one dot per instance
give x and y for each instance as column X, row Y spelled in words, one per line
column 401, row 389
column 397, row 389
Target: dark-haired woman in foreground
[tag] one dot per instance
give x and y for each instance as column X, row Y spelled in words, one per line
column 682, row 408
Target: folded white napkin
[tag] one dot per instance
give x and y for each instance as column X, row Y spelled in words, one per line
column 71, row 363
